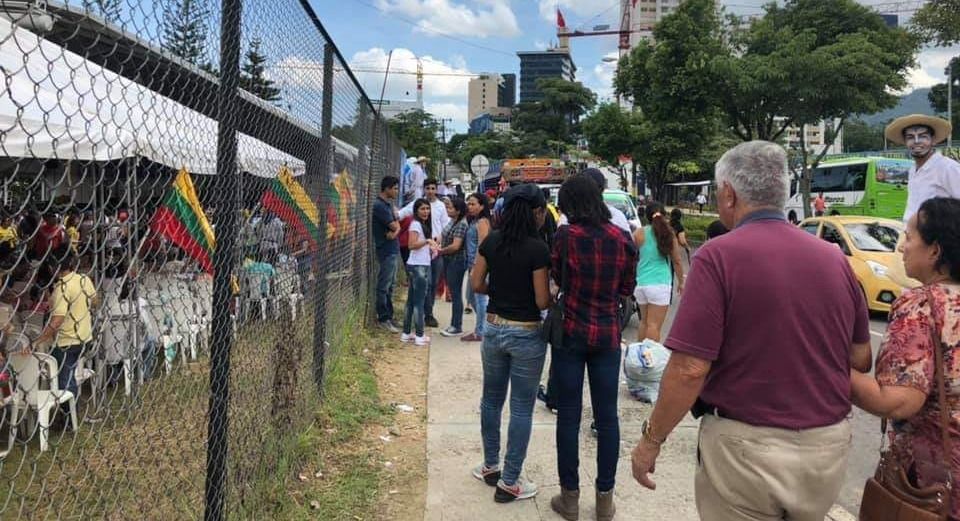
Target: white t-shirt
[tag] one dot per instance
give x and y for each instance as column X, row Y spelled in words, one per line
column 938, row 177
column 617, row 218
column 701, row 199
column 420, row 256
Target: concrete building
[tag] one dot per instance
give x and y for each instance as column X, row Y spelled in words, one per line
column 552, row 63
column 483, row 94
column 393, row 108
column 497, row 119
column 644, row 14
column 816, row 136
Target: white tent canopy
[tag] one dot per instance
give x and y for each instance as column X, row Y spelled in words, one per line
column 55, row 104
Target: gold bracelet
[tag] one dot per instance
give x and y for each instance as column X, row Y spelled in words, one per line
column 647, row 432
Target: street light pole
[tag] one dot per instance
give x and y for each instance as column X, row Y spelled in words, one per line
column 950, row 103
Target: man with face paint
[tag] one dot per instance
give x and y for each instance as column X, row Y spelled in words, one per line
column 933, row 174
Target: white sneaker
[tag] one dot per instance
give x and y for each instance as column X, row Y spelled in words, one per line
column 406, row 338
column 522, row 489
column 422, row 340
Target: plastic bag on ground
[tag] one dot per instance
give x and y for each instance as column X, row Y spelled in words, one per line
column 643, row 366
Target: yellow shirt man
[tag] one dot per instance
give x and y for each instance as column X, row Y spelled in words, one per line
column 9, row 234
column 72, row 297
column 74, row 234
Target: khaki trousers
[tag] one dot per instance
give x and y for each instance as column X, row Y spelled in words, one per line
column 765, row 473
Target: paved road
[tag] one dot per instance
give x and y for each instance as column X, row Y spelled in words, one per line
column 866, row 432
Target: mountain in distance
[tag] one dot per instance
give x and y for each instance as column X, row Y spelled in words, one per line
column 915, row 102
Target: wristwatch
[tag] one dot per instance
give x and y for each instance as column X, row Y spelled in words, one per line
column 647, row 432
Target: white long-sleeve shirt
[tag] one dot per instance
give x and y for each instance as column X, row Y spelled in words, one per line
column 438, row 216
column 938, row 177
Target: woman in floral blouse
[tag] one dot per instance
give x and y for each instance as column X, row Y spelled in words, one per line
column 905, row 388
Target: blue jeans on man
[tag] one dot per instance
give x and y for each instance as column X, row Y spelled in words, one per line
column 512, row 357
column 414, row 316
column 67, row 359
column 454, row 271
column 436, row 271
column 386, row 275
column 603, row 365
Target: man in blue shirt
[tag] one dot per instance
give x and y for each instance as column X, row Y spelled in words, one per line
column 385, row 231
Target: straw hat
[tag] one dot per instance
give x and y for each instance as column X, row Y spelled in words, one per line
column 423, row 159
column 941, row 127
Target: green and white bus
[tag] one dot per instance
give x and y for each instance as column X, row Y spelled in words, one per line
column 874, row 186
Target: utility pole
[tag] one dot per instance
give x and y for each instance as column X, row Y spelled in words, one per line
column 950, row 102
column 442, row 171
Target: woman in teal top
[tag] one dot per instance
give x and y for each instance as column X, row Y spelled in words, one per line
column 659, row 263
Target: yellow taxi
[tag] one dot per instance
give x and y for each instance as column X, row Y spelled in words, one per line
column 870, row 244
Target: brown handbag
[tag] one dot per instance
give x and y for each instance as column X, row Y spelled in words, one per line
column 889, row 495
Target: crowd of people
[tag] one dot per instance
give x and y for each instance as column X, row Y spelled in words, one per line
column 770, row 346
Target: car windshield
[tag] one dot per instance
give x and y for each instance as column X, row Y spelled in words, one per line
column 873, row 236
column 624, row 205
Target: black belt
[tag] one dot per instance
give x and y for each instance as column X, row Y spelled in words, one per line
column 702, row 408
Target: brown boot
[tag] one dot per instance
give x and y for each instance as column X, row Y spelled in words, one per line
column 566, row 503
column 605, row 507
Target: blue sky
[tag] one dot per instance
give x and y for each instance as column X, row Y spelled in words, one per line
column 455, row 38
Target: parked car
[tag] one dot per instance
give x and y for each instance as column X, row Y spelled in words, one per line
column 624, row 202
column 870, row 244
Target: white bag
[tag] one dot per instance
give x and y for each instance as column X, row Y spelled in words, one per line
column 643, row 366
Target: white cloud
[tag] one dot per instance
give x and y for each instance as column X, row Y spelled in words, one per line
column 479, row 19
column 456, row 112
column 931, row 65
column 601, row 78
column 441, row 79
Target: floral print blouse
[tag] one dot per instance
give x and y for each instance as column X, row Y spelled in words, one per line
column 906, row 359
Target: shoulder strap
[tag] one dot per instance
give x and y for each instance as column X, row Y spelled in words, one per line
column 941, row 385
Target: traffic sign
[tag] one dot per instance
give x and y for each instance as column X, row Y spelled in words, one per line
column 479, row 165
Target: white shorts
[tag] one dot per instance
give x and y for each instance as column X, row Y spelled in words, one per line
column 658, row 295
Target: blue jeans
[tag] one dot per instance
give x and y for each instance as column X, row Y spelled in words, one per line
column 149, row 355
column 479, row 303
column 604, row 368
column 418, row 277
column 512, row 356
column 454, row 273
column 67, row 358
column 433, row 280
column 386, row 275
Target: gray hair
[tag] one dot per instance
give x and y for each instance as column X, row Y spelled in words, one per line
column 757, row 172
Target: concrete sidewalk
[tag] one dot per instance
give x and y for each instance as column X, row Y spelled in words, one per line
column 454, row 448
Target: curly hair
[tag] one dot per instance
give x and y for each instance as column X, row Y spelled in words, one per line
column 581, row 201
column 938, row 222
column 661, row 228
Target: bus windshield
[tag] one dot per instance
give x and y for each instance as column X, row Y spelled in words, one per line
column 873, row 236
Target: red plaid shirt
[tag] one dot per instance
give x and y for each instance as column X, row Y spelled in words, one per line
column 601, row 268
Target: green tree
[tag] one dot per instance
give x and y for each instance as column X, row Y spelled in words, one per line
column 417, row 132
column 860, row 136
column 535, row 117
column 807, row 61
column 938, row 21
column 252, row 78
column 609, row 132
column 938, row 96
column 185, row 30
column 569, row 100
column 673, row 94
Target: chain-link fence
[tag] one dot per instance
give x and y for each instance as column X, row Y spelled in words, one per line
column 184, row 240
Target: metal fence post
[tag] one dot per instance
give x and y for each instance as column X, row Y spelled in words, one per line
column 221, row 340
column 323, row 255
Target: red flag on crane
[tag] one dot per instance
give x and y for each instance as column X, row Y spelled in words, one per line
column 560, row 21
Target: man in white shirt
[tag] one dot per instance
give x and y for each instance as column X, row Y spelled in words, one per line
column 438, row 220
column 932, row 174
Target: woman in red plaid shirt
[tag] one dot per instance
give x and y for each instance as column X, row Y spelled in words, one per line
column 598, row 256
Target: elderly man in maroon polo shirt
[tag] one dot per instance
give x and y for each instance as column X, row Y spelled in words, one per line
column 769, row 326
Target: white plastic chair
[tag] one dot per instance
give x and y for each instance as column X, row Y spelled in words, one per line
column 27, row 370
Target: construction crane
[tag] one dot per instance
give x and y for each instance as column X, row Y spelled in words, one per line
column 624, row 33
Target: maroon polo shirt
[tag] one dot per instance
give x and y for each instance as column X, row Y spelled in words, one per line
column 776, row 311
